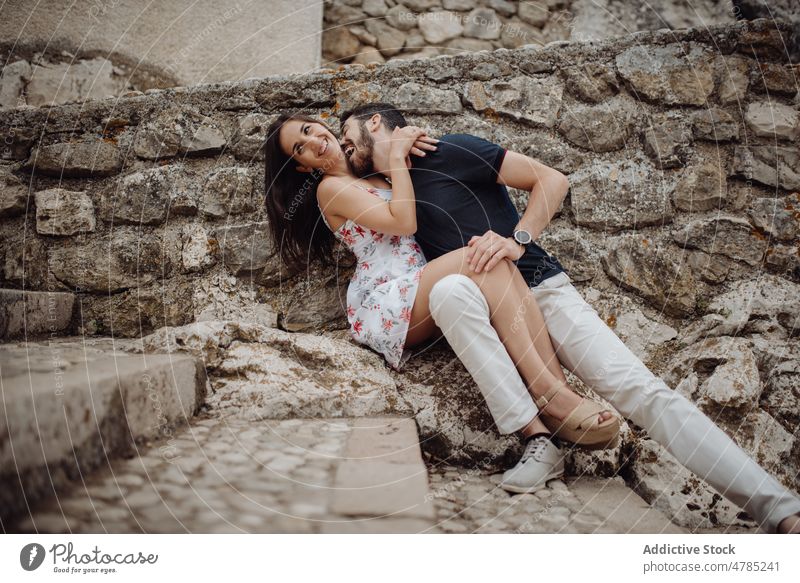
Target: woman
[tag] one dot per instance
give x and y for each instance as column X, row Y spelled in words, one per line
column 308, row 178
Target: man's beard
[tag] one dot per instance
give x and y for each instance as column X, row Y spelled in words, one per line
column 360, row 160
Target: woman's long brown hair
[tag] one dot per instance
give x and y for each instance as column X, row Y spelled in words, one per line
column 295, row 221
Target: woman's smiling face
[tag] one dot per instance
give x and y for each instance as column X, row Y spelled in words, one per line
column 310, row 144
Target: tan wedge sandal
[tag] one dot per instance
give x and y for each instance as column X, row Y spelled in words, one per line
column 581, row 426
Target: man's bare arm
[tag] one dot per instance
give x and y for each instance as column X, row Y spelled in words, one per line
column 547, row 186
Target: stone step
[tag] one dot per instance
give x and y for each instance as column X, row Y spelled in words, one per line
column 28, row 314
column 620, row 509
column 68, row 406
column 383, row 480
column 226, row 474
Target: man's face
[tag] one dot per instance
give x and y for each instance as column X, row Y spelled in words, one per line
column 358, row 145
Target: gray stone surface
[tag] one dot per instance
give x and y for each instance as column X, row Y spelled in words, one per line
column 109, row 266
column 767, row 304
column 604, row 128
column 700, row 188
column 178, row 132
column 535, row 101
column 390, row 40
column 668, row 142
column 28, row 314
column 732, row 74
column 470, row 501
column 13, row 195
column 535, row 13
column 771, row 165
column 140, row 198
column 417, row 98
column 12, row 83
column 778, row 217
column 724, row 235
column 668, row 74
column 438, row 27
column 249, row 137
column 617, row 196
column 715, row 124
column 592, row 82
column 208, row 42
column 246, row 248
column 773, row 120
column 75, row 81
column 88, row 158
column 401, row 17
column 227, row 191
column 63, row 212
column 482, row 23
column 650, row 270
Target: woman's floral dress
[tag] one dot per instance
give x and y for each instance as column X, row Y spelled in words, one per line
column 382, row 290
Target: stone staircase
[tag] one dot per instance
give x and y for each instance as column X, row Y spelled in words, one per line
column 71, row 404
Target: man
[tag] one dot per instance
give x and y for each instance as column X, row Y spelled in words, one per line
column 462, row 200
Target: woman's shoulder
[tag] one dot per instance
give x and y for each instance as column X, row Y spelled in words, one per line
column 329, row 184
column 333, row 186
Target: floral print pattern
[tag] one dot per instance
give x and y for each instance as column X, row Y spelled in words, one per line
column 381, row 293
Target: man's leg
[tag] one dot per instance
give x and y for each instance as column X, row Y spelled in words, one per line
column 589, row 348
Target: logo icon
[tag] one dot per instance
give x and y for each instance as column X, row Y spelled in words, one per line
column 31, row 556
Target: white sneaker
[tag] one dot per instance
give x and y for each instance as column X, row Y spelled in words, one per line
column 541, row 461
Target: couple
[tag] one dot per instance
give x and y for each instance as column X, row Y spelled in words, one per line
column 389, row 192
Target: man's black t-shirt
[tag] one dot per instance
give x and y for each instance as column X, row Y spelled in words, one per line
column 458, row 197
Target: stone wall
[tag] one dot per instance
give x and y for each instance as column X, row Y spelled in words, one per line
column 373, row 31
column 681, row 226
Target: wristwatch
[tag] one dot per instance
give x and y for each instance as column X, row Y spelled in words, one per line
column 523, row 237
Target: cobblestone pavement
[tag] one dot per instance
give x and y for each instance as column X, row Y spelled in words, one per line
column 229, row 475
column 469, row 501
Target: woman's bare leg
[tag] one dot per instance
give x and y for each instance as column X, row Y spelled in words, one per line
column 531, row 316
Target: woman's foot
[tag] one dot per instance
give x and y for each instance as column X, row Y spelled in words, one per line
column 790, row 525
column 577, row 419
column 565, row 401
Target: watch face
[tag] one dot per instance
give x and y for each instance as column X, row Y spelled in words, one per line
column 522, row 237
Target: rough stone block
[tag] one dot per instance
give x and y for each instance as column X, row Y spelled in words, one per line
column 63, row 212
column 30, row 313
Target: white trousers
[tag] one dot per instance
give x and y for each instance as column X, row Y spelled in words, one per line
column 586, row 346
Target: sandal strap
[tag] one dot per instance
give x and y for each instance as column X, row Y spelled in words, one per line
column 545, row 399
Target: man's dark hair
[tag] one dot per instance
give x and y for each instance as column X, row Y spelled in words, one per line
column 390, row 115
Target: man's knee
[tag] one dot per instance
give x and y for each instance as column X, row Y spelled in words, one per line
column 452, row 295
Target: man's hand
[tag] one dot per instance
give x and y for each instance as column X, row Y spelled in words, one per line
column 489, row 249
